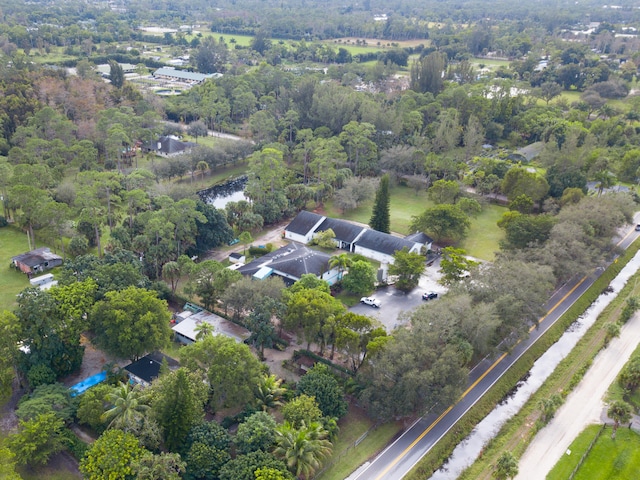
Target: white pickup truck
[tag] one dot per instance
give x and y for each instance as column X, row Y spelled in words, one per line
column 375, row 303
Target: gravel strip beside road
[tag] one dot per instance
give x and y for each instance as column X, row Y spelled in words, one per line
column 583, row 406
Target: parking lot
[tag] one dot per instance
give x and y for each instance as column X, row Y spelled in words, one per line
column 396, row 304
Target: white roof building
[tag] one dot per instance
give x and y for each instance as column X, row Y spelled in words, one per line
column 186, row 332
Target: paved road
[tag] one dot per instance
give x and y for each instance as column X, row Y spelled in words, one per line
column 402, row 455
column 582, row 407
column 396, row 305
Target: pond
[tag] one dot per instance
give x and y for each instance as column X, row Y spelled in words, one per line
column 220, row 195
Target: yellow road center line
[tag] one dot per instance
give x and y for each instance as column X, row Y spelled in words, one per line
column 474, row 384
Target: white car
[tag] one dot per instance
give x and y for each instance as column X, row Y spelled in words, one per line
column 375, row 303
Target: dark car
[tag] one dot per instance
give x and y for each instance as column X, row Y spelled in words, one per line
column 638, row 227
column 429, row 295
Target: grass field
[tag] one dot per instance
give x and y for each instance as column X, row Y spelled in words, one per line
column 482, row 241
column 490, row 63
column 484, row 236
column 50, row 473
column 242, row 40
column 12, row 242
column 404, row 204
column 608, row 460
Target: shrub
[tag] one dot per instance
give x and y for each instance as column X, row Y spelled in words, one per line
column 78, row 246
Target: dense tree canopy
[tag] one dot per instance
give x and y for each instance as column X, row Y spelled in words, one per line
column 131, row 322
column 232, row 371
column 111, row 456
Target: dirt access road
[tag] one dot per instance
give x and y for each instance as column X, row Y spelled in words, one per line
column 273, row 236
column 583, row 406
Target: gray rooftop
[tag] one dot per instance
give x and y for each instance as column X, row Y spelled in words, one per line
column 294, row 260
column 383, row 242
column 36, row 257
column 345, row 231
column 304, row 222
column 181, row 74
column 419, row 237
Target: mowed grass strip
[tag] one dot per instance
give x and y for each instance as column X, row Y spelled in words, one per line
column 12, row 242
column 608, row 460
column 347, row 457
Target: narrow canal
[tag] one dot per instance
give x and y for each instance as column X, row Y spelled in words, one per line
column 469, row 449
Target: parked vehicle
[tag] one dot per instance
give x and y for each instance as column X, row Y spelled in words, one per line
column 638, row 227
column 373, row 302
column 429, row 295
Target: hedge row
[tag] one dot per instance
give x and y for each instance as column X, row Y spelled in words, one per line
column 443, row 449
column 318, row 358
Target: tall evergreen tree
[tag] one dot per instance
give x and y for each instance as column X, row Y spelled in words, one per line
column 176, row 409
column 116, row 74
column 426, row 73
column 380, row 217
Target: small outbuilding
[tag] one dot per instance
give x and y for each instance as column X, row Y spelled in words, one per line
column 237, row 257
column 36, row 261
column 147, row 369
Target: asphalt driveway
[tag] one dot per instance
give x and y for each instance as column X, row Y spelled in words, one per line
column 396, row 304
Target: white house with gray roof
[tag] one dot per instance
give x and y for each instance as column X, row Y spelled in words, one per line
column 382, row 246
column 355, row 238
column 290, row 263
column 303, row 227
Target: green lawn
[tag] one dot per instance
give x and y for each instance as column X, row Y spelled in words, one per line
column 12, row 242
column 354, row 49
column 47, row 472
column 348, row 458
column 608, row 460
column 482, row 241
column 491, row 63
column 405, row 203
column 484, row 236
column 572, row 96
column 242, row 40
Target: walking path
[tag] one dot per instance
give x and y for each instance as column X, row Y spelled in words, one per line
column 583, row 406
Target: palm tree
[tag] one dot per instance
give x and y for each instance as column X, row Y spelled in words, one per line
column 341, row 262
column 129, row 405
column 605, row 180
column 202, row 167
column 171, row 271
column 303, row 449
column 506, row 466
column 245, row 239
column 203, row 329
column 270, row 392
column 620, row 412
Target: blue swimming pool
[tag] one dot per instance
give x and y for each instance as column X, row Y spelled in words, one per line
column 87, row 383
